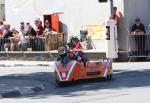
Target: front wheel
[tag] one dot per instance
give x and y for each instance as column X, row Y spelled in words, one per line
column 59, row 83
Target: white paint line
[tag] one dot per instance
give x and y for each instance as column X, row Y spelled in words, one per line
column 26, row 91
column 71, row 69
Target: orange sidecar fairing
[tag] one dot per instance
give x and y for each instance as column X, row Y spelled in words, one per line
column 74, row 70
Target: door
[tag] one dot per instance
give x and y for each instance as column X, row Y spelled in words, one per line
column 55, row 22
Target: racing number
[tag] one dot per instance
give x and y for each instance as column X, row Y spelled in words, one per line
column 64, row 75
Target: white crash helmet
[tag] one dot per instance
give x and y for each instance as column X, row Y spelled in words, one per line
column 62, row 51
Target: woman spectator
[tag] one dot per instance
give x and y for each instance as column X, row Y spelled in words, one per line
column 31, row 32
column 51, row 38
column 47, row 28
column 32, row 35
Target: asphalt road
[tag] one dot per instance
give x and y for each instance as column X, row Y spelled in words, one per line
column 131, row 84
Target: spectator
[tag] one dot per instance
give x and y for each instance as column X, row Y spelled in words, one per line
column 22, row 23
column 7, row 32
column 50, row 39
column 32, row 41
column 1, row 28
column 6, row 36
column 48, row 28
column 27, row 26
column 138, row 30
column 31, row 32
column 39, row 30
column 14, row 40
column 1, row 33
column 115, row 15
column 23, row 41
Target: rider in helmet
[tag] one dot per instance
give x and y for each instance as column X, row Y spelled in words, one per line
column 62, row 52
column 65, row 55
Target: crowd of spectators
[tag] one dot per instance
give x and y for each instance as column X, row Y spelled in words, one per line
column 26, row 38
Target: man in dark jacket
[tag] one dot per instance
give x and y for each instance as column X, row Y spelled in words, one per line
column 138, row 30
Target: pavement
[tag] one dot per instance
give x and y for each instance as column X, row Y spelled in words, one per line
column 7, row 63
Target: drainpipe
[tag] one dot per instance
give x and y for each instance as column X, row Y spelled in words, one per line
column 111, row 6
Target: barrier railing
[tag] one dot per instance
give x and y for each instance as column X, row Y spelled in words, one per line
column 138, row 45
column 47, row 43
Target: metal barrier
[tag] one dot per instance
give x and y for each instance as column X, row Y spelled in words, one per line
column 138, row 45
column 28, row 44
column 50, row 42
column 3, row 42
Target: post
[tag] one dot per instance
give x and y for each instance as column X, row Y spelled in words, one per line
column 111, row 6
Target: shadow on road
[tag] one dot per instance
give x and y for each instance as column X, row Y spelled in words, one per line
column 122, row 79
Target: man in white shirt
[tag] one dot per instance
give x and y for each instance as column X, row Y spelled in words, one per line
column 23, row 41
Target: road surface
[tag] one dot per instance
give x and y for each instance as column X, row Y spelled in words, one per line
column 131, row 84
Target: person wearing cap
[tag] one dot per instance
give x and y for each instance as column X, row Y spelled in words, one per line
column 138, row 29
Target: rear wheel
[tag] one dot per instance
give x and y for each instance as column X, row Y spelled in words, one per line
column 109, row 77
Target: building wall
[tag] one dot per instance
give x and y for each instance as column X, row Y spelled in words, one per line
column 73, row 14
column 2, row 8
column 137, row 9
column 2, row 1
column 131, row 9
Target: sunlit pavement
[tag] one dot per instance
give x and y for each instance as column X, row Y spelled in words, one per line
column 131, row 84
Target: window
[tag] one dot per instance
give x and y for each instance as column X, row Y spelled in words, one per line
column 103, row 1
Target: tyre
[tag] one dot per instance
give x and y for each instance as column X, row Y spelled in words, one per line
column 59, row 84
column 109, row 77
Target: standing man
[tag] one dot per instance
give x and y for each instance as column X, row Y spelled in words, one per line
column 115, row 15
column 39, row 33
column 138, row 30
column 23, row 41
column 39, row 28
